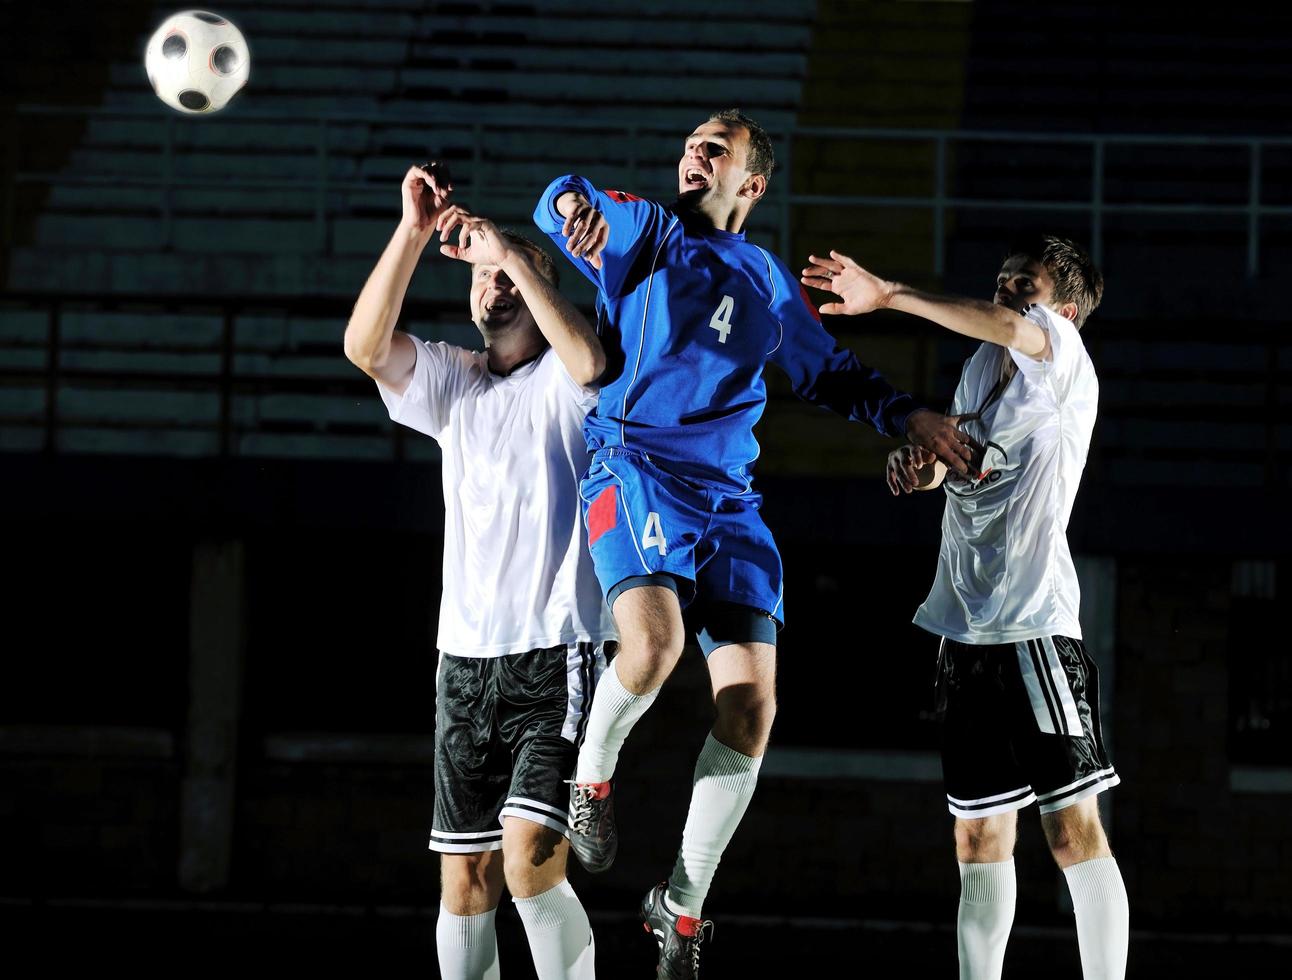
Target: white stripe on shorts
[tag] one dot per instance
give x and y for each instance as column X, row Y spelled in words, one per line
column 584, row 664
column 479, row 848
column 474, row 842
column 473, row 835
column 1081, row 789
column 1063, row 686
column 989, row 806
column 1047, row 688
column 560, row 823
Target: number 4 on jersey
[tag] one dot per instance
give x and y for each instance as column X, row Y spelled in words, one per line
column 721, row 319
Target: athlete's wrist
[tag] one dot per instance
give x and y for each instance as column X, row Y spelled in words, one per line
column 569, row 202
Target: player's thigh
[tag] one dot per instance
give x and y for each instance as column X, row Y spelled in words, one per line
column 738, row 565
column 1058, row 738
column 641, row 522
column 472, row 771
column 537, row 716
column 980, row 773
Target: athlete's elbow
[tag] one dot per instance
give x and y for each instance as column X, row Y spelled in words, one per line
column 590, row 368
column 361, row 352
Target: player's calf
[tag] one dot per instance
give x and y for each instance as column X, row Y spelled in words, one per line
column 744, row 694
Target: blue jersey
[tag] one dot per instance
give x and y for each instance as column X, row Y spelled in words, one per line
column 689, row 317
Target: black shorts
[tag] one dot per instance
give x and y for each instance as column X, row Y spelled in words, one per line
column 507, row 731
column 1020, row 723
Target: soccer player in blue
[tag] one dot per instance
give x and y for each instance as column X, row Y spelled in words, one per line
column 690, row 313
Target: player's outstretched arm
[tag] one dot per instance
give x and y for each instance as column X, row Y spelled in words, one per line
column 371, row 342
column 860, row 291
column 566, row 329
column 825, row 374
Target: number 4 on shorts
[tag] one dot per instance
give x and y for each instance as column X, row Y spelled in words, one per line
column 653, row 536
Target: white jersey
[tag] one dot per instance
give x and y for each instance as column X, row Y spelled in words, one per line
column 517, row 573
column 1005, row 573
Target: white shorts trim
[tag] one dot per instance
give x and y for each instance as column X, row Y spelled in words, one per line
column 990, row 806
column 474, row 842
column 1075, row 792
column 560, row 825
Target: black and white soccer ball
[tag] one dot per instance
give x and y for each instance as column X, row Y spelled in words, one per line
column 197, row 61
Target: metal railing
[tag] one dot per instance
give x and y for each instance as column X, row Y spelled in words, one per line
column 623, row 147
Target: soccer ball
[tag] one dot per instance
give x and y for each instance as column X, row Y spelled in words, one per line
column 197, row 61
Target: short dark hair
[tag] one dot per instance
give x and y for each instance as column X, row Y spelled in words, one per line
column 760, row 159
column 1076, row 280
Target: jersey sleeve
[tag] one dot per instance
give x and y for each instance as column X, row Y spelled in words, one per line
column 585, row 397
column 825, row 374
column 1067, row 353
column 438, row 381
column 635, row 226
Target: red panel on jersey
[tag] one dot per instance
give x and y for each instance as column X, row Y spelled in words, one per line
column 602, row 515
column 621, row 197
column 807, row 301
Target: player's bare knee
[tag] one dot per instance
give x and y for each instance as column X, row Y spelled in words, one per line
column 1075, row 835
column 745, row 716
column 986, row 840
column 466, row 882
column 534, row 858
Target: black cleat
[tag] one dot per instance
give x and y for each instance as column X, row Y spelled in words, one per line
column 679, row 937
column 593, row 837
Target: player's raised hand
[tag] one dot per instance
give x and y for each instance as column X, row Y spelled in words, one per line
column 479, row 240
column 861, row 291
column 909, row 469
column 586, row 231
column 942, row 436
column 425, row 195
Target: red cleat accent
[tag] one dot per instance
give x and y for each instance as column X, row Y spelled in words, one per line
column 599, row 790
column 686, row 926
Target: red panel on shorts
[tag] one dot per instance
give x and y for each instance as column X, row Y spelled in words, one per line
column 602, row 515
column 621, row 197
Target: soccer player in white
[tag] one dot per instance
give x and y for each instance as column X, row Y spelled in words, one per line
column 522, row 625
column 1017, row 692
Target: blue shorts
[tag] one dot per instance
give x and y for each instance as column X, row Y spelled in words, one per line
column 643, row 521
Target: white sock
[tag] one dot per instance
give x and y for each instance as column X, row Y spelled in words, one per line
column 560, row 938
column 466, row 946
column 614, row 712
column 987, row 896
column 1103, row 917
column 724, row 782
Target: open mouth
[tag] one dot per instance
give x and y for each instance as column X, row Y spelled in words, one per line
column 695, row 178
column 498, row 306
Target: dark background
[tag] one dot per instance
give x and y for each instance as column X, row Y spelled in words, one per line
column 223, row 562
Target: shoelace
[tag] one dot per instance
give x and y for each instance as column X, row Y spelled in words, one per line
column 585, row 808
column 693, row 944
